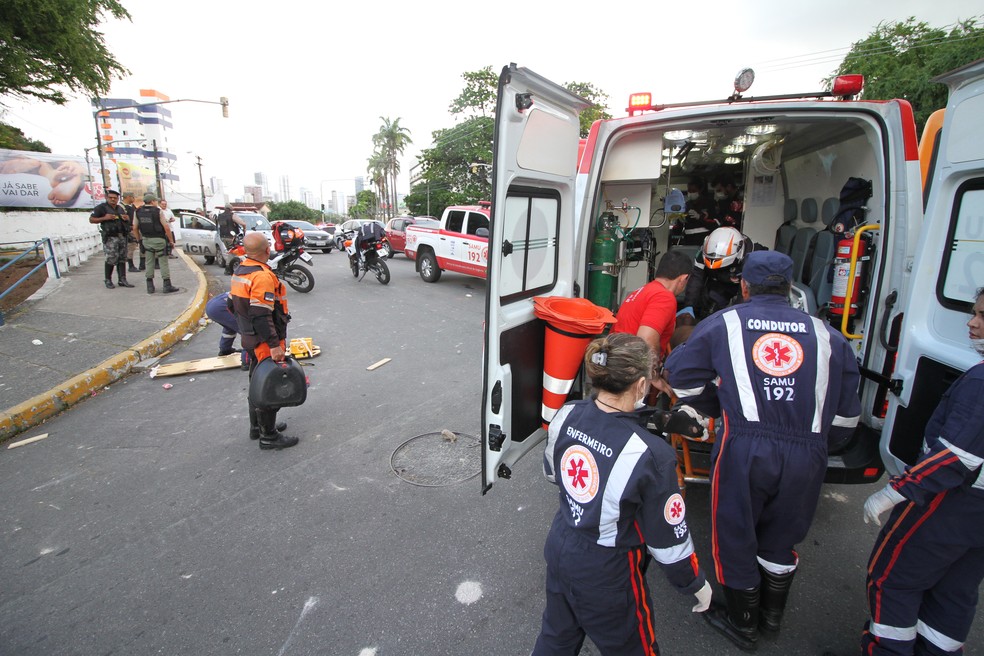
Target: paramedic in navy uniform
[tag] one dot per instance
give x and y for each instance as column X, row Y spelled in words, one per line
column 928, row 562
column 619, row 505
column 788, row 384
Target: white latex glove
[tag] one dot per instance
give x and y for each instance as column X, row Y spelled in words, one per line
column 693, row 214
column 699, row 418
column 879, row 502
column 703, row 598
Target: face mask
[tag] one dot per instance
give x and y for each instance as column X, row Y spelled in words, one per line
column 693, row 196
column 720, row 195
column 977, row 345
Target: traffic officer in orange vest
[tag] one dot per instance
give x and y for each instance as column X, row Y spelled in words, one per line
column 259, row 301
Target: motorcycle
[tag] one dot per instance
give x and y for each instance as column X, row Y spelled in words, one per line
column 282, row 262
column 372, row 258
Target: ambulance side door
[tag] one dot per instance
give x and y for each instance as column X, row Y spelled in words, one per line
column 530, row 253
column 949, row 267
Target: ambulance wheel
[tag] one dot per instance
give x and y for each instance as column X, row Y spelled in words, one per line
column 429, row 271
column 382, row 272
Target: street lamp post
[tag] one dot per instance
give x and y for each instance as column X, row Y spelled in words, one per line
column 104, row 112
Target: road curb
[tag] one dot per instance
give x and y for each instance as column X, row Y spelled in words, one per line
column 35, row 410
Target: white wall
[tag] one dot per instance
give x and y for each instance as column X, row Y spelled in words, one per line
column 73, row 239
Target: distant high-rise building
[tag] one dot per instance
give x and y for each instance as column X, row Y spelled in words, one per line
column 253, row 193
column 139, row 135
column 360, row 183
column 261, row 180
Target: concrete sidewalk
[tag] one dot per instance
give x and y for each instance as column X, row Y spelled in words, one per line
column 74, row 337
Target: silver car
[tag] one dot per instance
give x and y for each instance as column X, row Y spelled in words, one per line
column 314, row 237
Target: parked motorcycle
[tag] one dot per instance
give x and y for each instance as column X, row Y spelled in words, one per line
column 283, row 262
column 372, row 258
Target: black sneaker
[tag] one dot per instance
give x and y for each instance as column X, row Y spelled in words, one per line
column 277, row 441
column 254, row 431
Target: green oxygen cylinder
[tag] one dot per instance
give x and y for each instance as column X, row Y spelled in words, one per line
column 602, row 272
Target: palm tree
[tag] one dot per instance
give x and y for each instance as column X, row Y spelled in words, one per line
column 390, row 142
column 377, row 172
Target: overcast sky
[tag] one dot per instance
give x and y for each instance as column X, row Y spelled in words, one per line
column 308, row 81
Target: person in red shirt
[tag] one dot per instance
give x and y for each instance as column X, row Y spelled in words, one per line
column 650, row 311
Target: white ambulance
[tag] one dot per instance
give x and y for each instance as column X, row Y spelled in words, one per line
column 899, row 286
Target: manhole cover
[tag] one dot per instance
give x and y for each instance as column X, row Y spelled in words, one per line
column 437, row 459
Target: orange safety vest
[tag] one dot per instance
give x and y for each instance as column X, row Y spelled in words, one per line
column 259, row 301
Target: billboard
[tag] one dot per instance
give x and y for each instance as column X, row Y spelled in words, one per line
column 136, row 179
column 45, row 180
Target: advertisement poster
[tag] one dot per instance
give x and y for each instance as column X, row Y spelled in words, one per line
column 44, row 180
column 136, row 179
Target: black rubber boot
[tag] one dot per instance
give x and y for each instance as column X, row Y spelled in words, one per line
column 270, row 435
column 109, row 284
column 121, row 275
column 143, row 263
column 254, row 431
column 109, row 276
column 130, row 268
column 150, row 285
column 739, row 621
column 775, row 592
column 168, row 289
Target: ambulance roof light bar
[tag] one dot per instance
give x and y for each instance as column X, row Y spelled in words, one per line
column 844, row 87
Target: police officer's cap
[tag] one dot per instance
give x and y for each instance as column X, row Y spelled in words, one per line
column 767, row 269
column 112, row 191
column 149, row 198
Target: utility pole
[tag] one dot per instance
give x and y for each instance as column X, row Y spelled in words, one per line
column 157, row 172
column 201, row 183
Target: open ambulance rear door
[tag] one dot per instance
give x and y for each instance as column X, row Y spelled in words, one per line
column 948, row 268
column 530, row 254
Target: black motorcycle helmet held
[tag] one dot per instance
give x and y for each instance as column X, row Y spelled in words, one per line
column 277, row 385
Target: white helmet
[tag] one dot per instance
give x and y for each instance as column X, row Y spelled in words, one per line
column 723, row 249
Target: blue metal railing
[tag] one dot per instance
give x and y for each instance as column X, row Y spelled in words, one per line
column 40, row 244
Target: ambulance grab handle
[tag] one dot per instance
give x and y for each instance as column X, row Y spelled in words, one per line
column 850, row 279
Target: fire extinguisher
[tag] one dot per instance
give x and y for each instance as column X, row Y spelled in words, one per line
column 842, row 272
column 602, row 268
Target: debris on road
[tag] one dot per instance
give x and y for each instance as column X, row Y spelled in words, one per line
column 377, row 365
column 167, row 386
column 14, row 445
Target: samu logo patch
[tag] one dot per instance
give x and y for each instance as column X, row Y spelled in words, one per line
column 579, row 472
column 777, row 354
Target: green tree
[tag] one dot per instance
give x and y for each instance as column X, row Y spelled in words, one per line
column 390, row 142
column 478, row 96
column 598, row 100
column 49, row 45
column 377, row 172
column 899, row 59
column 292, row 210
column 366, row 205
column 13, row 139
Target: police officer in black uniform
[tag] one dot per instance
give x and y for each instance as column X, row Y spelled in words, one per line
column 619, row 507
column 114, row 226
column 229, row 225
column 155, row 234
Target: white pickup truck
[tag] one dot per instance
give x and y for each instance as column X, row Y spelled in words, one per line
column 460, row 243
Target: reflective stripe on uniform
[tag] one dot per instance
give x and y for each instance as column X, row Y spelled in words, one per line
column 846, row 422
column 776, row 568
column 823, row 371
column 673, row 554
column 687, row 393
column 743, row 382
column 903, row 633
column 969, row 460
column 941, row 640
column 610, row 503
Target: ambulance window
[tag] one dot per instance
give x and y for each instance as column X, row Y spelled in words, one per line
column 528, row 231
column 456, row 221
column 962, row 270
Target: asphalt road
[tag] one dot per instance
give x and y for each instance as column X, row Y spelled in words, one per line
column 148, row 523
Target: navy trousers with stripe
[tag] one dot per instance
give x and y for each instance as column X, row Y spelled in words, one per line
column 764, row 493
column 923, row 576
column 598, row 591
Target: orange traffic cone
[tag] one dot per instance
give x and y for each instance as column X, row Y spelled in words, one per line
column 571, row 325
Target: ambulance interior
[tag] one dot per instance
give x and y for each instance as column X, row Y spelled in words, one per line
column 789, row 170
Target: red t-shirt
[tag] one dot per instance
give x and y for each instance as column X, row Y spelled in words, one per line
column 651, row 305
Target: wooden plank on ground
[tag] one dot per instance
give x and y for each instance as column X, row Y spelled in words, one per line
column 14, row 445
column 377, row 365
column 231, row 361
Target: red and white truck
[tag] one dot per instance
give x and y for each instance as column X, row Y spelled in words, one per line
column 460, row 243
column 898, row 282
